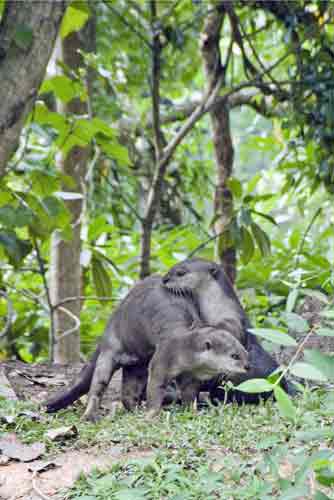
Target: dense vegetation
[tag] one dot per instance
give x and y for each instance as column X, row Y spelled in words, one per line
column 162, row 130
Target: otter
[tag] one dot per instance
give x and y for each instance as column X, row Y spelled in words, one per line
column 218, row 304
column 164, row 304
column 148, row 310
column 188, row 355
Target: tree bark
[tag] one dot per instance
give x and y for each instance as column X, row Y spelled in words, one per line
column 65, row 279
column 28, row 32
column 222, row 142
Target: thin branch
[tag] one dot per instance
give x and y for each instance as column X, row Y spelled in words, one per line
column 204, row 244
column 126, row 23
column 74, row 329
column 48, row 297
column 10, row 314
column 126, row 201
column 35, row 487
column 307, row 230
column 82, row 298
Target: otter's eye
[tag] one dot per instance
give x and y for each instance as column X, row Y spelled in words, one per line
column 235, row 356
column 180, row 272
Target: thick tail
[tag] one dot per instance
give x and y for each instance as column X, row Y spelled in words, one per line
column 77, row 390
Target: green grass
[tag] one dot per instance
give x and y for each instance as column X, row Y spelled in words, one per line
column 229, row 452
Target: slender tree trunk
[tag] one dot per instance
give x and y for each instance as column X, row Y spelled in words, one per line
column 65, row 255
column 23, row 60
column 222, row 141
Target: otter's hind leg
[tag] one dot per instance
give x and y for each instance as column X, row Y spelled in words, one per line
column 105, row 368
column 134, row 380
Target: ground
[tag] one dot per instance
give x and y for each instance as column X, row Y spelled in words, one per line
column 215, row 452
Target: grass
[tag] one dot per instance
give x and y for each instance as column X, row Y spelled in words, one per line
column 229, row 452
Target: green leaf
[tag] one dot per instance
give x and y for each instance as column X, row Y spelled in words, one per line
column 319, row 495
column 275, row 336
column 327, row 314
column 115, row 151
column 2, row 7
column 261, row 239
column 323, row 362
column 284, row 403
column 15, row 248
column 305, row 370
column 235, row 186
column 255, row 385
column 43, row 183
column 62, row 86
column 296, row 323
column 247, row 245
column 325, row 332
column 75, row 18
column 291, row 300
column 23, row 36
column 315, row 435
column 264, row 216
column 102, row 281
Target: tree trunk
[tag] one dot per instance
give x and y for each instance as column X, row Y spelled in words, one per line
column 28, row 32
column 65, row 255
column 222, row 142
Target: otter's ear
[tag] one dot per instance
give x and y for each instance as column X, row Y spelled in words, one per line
column 214, row 271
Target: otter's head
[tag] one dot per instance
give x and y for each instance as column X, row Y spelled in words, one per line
column 217, row 352
column 189, row 277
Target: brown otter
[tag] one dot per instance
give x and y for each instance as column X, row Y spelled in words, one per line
column 188, row 355
column 218, row 304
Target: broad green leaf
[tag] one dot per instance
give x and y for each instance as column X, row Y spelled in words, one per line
column 255, row 385
column 315, row 435
column 102, row 127
column 235, row 186
column 291, row 300
column 15, row 248
column 285, row 404
column 247, row 245
column 296, row 322
column 325, row 332
column 276, row 336
column 62, row 86
column 75, row 17
column 261, row 239
column 5, row 196
column 115, row 151
column 44, row 116
column 307, row 371
column 323, row 362
column 43, row 183
column 324, row 470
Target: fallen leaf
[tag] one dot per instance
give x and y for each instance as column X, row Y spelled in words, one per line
column 13, row 448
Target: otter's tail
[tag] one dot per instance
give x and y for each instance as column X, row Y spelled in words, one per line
column 77, row 390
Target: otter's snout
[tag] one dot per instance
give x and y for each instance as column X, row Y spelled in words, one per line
column 247, row 367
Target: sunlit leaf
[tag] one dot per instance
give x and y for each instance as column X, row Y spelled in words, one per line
column 255, row 385
column 75, row 17
column 308, row 371
column 285, row 405
column 276, row 336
